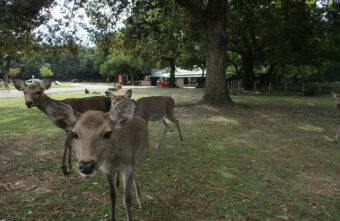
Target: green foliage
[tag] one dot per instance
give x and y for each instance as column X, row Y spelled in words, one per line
column 18, row 19
column 14, row 71
column 157, row 29
column 120, row 63
column 45, row 71
column 298, row 71
column 64, row 67
column 332, row 72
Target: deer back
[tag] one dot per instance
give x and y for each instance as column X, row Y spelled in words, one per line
column 81, row 105
column 154, row 108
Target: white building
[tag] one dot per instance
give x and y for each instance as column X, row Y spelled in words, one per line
column 183, row 77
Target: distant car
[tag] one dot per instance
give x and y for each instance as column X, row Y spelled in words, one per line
column 33, row 81
column 163, row 83
column 75, row 80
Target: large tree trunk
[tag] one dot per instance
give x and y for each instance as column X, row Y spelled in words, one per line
column 248, row 70
column 132, row 79
column 203, row 78
column 215, row 90
column 213, row 20
column 172, row 82
column 216, row 55
column 6, row 74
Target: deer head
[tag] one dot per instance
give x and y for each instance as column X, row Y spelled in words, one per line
column 116, row 99
column 34, row 93
column 93, row 132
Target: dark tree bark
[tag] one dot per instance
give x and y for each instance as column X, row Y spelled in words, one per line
column 215, row 90
column 6, row 74
column 7, row 62
column 172, row 82
column 212, row 20
column 132, row 79
column 248, row 74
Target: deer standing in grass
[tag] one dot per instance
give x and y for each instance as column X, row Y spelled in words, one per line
column 336, row 98
column 35, row 97
column 111, row 142
column 155, row 108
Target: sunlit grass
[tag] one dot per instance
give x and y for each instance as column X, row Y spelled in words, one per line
column 264, row 158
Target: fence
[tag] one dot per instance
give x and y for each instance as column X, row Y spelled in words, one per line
column 234, row 86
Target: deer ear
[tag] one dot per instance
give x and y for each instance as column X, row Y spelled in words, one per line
column 19, row 84
column 128, row 94
column 62, row 115
column 110, row 95
column 46, row 83
column 122, row 113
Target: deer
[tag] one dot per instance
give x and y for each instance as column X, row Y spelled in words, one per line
column 111, row 142
column 35, row 97
column 92, row 92
column 154, row 108
column 336, row 98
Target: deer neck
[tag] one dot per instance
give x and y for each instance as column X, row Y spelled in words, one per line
column 42, row 106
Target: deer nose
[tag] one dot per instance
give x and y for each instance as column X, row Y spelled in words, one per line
column 86, row 167
column 29, row 104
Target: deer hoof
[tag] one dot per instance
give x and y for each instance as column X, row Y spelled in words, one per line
column 65, row 172
column 142, row 208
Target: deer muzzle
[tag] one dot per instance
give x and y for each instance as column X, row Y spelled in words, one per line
column 29, row 104
column 86, row 168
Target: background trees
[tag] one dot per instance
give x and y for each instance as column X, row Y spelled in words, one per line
column 18, row 19
column 45, row 71
column 159, row 30
column 263, row 40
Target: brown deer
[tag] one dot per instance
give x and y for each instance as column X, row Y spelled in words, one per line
column 336, row 98
column 92, row 92
column 154, row 108
column 35, row 97
column 111, row 142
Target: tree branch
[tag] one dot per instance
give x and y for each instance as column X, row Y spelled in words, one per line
column 195, row 11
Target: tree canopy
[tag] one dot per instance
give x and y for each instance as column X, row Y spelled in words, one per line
column 252, row 39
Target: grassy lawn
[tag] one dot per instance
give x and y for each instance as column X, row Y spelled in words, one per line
column 266, row 158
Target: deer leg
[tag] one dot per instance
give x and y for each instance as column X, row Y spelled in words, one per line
column 337, row 133
column 138, row 195
column 67, row 146
column 63, row 164
column 116, row 180
column 165, row 130
column 69, row 158
column 111, row 179
column 128, row 178
column 173, row 119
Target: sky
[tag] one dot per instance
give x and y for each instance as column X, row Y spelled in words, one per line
column 80, row 17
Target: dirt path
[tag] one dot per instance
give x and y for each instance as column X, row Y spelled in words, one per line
column 78, row 87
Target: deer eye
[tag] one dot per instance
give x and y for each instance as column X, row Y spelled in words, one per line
column 107, row 135
column 38, row 92
column 74, row 135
